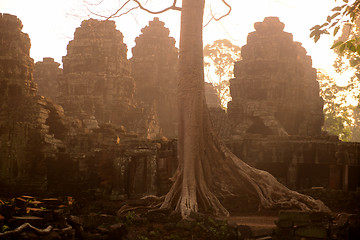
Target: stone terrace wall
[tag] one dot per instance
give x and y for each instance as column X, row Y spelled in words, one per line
column 274, row 91
column 302, row 163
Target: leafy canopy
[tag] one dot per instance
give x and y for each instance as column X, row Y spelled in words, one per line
column 338, row 114
column 219, row 59
column 344, row 16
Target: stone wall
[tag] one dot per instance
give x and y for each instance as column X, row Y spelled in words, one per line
column 85, row 148
column 301, row 163
column 276, row 115
column 46, row 150
column 26, row 139
column 274, row 91
column 16, row 64
column 110, row 162
column 46, row 75
column 96, row 83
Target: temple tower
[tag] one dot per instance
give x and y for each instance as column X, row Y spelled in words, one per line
column 26, row 139
column 154, row 68
column 96, row 82
column 46, row 76
column 274, row 91
column 16, row 65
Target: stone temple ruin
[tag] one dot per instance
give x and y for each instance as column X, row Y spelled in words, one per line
column 99, row 124
column 276, row 115
column 96, row 84
column 154, row 68
column 47, row 73
column 275, row 91
column 23, row 113
column 78, row 144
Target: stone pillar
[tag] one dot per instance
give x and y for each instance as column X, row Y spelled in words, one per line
column 335, row 181
column 292, row 174
column 345, row 186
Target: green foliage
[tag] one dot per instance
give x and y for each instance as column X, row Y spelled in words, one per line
column 141, row 237
column 355, row 127
column 338, row 114
column 215, row 228
column 173, row 237
column 129, row 217
column 345, row 16
column 219, row 59
column 5, row 228
column 337, row 123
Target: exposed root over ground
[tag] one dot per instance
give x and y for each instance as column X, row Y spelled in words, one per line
column 219, row 174
column 222, row 175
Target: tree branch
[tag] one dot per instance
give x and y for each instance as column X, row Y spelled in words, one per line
column 172, row 7
column 131, row 9
column 218, row 19
column 226, row 14
column 139, row 5
column 112, row 15
column 94, row 4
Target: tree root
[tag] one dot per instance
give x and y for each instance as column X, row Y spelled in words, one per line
column 28, row 227
column 220, row 174
column 271, row 193
column 147, row 202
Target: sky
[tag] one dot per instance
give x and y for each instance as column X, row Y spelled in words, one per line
column 51, row 23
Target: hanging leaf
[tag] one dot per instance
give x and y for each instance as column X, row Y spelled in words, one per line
column 358, row 49
column 336, row 30
column 334, row 23
column 335, row 9
column 312, row 34
column 316, row 27
column 324, row 25
column 342, row 48
column 354, row 62
column 337, row 44
column 329, row 18
column 350, row 43
column 352, row 48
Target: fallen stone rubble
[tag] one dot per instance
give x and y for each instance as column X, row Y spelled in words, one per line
column 316, row 225
column 27, row 217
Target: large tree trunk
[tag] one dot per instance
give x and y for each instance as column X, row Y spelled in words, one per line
column 207, row 169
